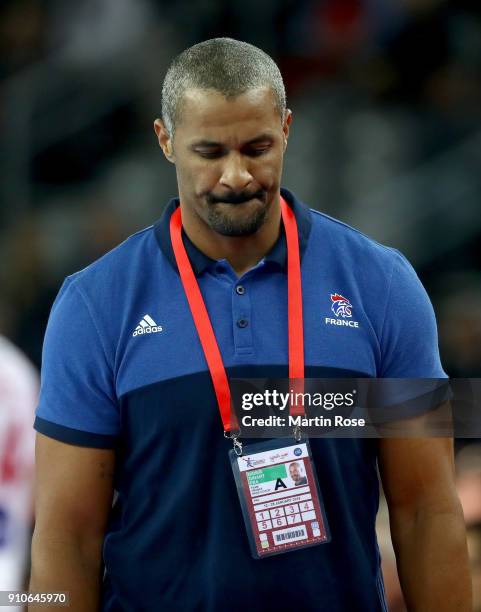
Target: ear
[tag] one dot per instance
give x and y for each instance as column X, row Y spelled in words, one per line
column 286, row 125
column 165, row 141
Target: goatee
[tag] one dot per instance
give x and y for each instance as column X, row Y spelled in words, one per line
column 223, row 223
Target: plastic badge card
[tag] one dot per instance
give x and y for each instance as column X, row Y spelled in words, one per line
column 280, row 497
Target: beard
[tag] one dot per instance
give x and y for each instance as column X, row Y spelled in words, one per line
column 223, row 217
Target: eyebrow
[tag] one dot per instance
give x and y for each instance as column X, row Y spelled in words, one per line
column 212, row 143
column 260, row 138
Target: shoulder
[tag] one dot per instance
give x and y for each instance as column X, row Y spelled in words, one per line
column 383, row 269
column 97, row 297
column 115, row 265
column 351, row 254
column 350, row 241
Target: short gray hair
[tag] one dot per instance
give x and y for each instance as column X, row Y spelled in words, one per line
column 229, row 66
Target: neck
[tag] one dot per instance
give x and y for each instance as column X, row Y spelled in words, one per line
column 242, row 252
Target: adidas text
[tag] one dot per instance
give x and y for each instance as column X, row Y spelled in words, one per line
column 147, row 330
column 147, row 325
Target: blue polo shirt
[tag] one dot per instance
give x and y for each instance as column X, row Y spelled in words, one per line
column 123, row 368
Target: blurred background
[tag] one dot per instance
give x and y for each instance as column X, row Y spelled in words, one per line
column 386, row 96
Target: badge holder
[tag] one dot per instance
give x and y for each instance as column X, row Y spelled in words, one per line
column 279, row 496
column 276, row 480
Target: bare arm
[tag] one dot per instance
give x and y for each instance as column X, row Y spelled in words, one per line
column 73, row 497
column 427, row 525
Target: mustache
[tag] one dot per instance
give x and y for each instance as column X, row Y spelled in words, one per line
column 236, row 198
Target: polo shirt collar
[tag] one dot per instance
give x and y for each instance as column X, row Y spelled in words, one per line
column 199, row 261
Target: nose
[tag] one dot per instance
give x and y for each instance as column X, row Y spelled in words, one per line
column 235, row 174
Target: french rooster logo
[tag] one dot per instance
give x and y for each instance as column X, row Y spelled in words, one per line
column 341, row 306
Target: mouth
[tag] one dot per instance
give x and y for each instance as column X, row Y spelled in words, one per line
column 238, row 200
column 237, row 203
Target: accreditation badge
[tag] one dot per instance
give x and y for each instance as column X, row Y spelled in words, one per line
column 279, row 496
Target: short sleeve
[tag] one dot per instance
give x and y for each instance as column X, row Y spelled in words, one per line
column 77, row 403
column 409, row 339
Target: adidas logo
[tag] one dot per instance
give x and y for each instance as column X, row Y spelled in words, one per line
column 147, row 326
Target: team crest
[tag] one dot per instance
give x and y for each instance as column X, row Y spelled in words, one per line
column 341, row 306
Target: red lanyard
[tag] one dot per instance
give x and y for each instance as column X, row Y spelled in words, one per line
column 204, row 326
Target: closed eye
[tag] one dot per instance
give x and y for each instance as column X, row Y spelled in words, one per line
column 210, row 153
column 257, row 151
column 214, row 151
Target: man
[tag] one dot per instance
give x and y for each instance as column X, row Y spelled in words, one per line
column 295, row 473
column 128, row 403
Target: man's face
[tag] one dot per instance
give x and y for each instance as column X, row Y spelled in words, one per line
column 228, row 155
column 294, row 472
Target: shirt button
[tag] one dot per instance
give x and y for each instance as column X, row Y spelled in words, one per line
column 240, row 289
column 242, row 323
